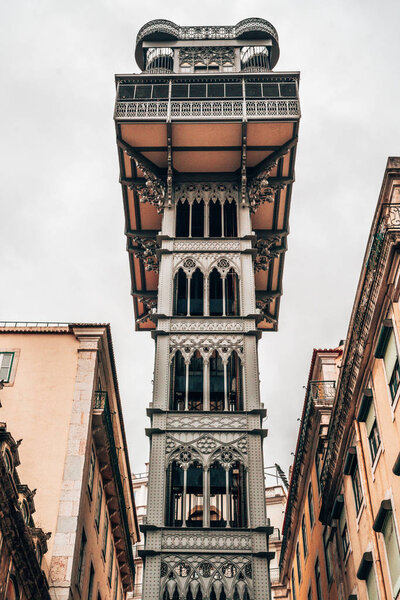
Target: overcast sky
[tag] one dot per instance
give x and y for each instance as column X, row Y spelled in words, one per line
column 63, row 254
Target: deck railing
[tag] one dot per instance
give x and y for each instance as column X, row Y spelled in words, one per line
column 322, row 393
column 208, row 109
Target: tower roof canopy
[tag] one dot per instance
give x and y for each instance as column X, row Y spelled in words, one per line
column 162, row 30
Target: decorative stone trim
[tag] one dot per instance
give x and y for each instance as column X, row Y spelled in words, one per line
column 204, row 540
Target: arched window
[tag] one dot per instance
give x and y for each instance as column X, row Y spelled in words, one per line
column 217, row 387
column 197, row 219
column 216, row 294
column 180, row 293
column 228, row 496
column 184, row 496
column 237, row 495
column 230, row 219
column 215, row 219
column 194, row 496
column 218, row 505
column 234, row 382
column 174, row 496
column 196, row 293
column 232, row 299
column 195, row 399
column 178, row 382
column 182, row 219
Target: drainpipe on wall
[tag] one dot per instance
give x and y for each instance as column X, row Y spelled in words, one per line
column 378, row 562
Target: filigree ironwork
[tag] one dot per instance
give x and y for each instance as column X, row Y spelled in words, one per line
column 154, row 192
column 189, row 57
column 145, row 250
column 266, row 251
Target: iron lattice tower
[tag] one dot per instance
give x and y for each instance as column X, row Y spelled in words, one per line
column 206, row 138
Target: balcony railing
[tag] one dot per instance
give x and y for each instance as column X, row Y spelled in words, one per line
column 322, row 393
column 274, row 575
column 210, row 109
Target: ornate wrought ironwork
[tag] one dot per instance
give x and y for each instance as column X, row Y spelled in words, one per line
column 265, row 252
column 145, row 250
column 322, row 392
column 154, row 191
column 212, row 109
column 189, row 57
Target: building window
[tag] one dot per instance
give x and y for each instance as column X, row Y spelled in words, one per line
column 224, row 386
column 81, row 562
column 105, row 534
column 116, row 582
column 6, row 361
column 214, row 219
column 372, row 588
column 311, row 505
column 8, row 461
column 392, row 551
column 25, row 512
column 318, row 471
column 188, row 294
column 111, row 564
column 304, row 534
column 92, row 465
column 298, row 562
column 91, row 583
column 344, row 533
column 394, row 380
column 357, row 489
column 317, row 572
column 328, row 563
column 374, row 439
column 293, row 586
column 98, row 505
column 386, row 349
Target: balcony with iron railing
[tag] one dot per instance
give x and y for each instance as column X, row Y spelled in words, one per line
column 322, row 393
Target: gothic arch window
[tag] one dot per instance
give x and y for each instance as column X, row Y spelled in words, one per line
column 188, row 294
column 234, row 382
column 232, row 299
column 184, row 498
column 180, row 293
column 178, row 382
column 195, row 392
column 215, row 219
column 230, row 219
column 197, row 220
column 196, row 294
column 216, row 294
column 228, row 495
column 182, row 219
column 217, row 383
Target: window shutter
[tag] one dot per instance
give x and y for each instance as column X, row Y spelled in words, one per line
column 390, row 356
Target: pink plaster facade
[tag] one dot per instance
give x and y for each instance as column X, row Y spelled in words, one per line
column 49, row 401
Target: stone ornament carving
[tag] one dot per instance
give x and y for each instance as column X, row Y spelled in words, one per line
column 206, row 344
column 219, row 55
column 207, row 325
column 206, row 262
column 204, row 540
column 208, row 192
column 206, row 245
column 192, row 421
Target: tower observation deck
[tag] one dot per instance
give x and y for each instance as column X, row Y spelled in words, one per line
column 206, row 138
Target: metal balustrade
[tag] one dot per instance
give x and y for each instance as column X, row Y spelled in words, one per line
column 322, row 392
column 210, row 109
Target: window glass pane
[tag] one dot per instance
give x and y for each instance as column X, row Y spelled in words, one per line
column 392, row 551
column 370, row 420
column 371, row 586
column 390, row 356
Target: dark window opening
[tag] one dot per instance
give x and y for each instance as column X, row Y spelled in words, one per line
column 196, row 382
column 215, row 219
column 194, row 496
column 217, row 394
column 215, row 290
column 178, row 382
column 181, row 293
column 234, row 383
column 232, row 294
column 196, row 293
column 182, row 219
column 198, row 219
column 230, row 219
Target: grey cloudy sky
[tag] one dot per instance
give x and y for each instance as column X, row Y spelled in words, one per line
column 63, row 254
